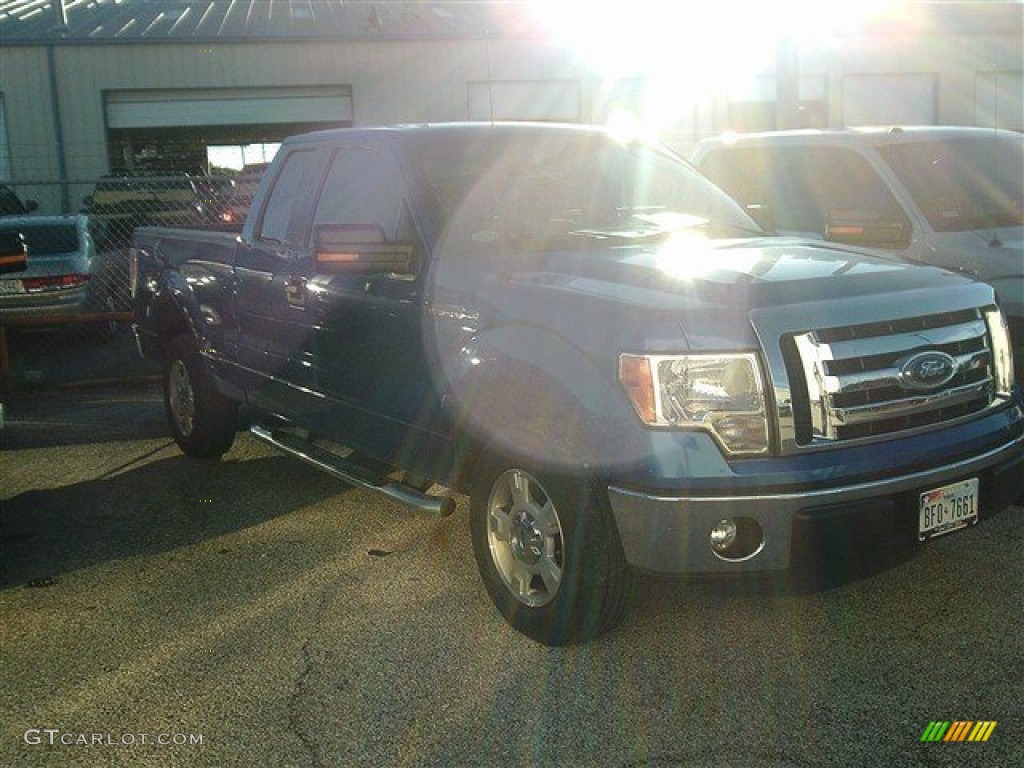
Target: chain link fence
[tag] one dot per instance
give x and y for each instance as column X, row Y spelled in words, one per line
column 65, row 303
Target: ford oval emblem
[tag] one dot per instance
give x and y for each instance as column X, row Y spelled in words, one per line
column 926, row 370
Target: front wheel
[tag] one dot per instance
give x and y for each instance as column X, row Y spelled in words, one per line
column 202, row 420
column 548, row 551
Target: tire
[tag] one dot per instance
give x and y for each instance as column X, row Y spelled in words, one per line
column 202, row 420
column 547, row 550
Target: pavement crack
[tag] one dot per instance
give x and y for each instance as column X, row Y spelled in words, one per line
column 307, row 668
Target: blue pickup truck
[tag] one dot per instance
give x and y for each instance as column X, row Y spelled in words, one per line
column 597, row 345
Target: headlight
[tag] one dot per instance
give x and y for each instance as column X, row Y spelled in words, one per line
column 1002, row 351
column 721, row 394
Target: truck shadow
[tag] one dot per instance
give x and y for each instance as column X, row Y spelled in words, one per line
column 156, row 507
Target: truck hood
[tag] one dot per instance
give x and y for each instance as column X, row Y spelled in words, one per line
column 738, row 273
column 680, row 294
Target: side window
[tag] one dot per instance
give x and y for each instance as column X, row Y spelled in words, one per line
column 808, row 183
column 364, row 187
column 801, row 185
column 284, row 220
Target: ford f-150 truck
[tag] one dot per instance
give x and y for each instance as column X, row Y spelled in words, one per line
column 594, row 343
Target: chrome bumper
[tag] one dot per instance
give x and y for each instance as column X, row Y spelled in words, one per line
column 670, row 534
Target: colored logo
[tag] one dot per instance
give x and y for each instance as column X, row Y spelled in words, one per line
column 959, row 730
column 926, row 370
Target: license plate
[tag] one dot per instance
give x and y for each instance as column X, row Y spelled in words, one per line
column 947, row 509
column 11, row 286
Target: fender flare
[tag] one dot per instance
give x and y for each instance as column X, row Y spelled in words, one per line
column 556, row 377
column 176, row 310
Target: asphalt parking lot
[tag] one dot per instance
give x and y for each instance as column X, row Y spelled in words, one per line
column 252, row 612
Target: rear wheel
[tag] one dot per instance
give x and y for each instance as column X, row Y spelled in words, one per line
column 547, row 550
column 202, row 420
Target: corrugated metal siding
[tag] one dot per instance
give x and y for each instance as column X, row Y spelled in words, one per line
column 30, row 127
column 396, row 82
column 34, row 21
column 392, row 78
column 27, row 21
column 262, row 64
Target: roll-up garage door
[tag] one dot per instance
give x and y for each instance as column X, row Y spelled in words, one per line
column 244, row 106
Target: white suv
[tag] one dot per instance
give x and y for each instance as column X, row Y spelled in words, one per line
column 948, row 196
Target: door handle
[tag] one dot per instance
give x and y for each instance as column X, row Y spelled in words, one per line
column 295, row 291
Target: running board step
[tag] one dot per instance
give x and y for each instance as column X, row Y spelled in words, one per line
column 352, row 473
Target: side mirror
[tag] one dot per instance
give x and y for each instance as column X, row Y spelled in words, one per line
column 359, row 250
column 13, row 257
column 864, row 227
column 29, row 205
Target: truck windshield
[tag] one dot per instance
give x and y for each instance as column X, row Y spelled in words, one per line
column 552, row 192
column 963, row 184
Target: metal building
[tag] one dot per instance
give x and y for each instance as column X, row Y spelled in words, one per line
column 88, row 87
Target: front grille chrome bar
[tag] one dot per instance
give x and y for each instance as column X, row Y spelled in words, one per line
column 911, row 406
column 862, row 381
column 854, row 376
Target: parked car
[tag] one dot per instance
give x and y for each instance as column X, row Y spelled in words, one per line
column 12, row 205
column 948, row 196
column 62, row 275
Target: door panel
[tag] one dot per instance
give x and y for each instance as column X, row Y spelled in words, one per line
column 368, row 347
column 270, row 274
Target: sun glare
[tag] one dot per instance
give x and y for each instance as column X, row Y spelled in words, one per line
column 686, row 51
column 622, row 36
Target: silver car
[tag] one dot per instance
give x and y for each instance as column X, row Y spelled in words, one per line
column 63, row 276
column 947, row 196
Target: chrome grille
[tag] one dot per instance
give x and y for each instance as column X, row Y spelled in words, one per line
column 854, row 381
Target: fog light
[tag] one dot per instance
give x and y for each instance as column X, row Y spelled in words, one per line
column 723, row 535
column 736, row 538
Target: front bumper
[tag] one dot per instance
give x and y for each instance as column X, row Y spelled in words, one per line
column 670, row 534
